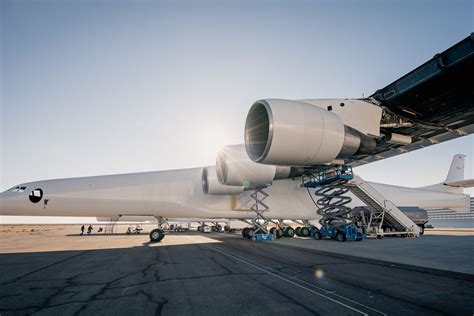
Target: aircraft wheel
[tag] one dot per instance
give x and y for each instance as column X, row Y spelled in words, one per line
column 289, row 232
column 341, row 237
column 251, row 233
column 317, row 235
column 157, row 235
column 304, row 232
column 297, row 231
column 279, row 234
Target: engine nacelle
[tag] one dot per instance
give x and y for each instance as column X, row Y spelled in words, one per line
column 234, row 167
column 295, row 133
column 211, row 186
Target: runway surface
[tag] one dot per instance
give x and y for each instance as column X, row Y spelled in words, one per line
column 191, row 273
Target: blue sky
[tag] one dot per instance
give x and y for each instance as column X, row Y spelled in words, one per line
column 104, row 87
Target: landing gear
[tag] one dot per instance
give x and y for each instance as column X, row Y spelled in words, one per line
column 303, row 231
column 248, row 232
column 289, row 232
column 157, row 235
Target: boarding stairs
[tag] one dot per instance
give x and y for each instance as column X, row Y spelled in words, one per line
column 383, row 210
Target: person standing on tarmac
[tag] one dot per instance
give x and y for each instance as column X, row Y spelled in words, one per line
column 89, row 230
column 82, row 230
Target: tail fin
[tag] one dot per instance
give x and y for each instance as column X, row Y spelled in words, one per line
column 454, row 182
column 456, row 171
column 455, row 177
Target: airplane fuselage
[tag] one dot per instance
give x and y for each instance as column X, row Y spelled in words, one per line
column 179, row 194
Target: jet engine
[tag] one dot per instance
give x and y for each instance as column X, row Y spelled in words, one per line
column 211, row 186
column 234, row 167
column 295, row 133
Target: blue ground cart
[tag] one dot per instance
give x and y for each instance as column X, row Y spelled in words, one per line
column 340, row 232
column 263, row 237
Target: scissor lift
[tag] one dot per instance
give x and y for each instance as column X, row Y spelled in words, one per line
column 331, row 188
column 338, row 220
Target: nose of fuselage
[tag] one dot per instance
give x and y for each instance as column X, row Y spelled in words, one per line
column 13, row 203
column 5, row 200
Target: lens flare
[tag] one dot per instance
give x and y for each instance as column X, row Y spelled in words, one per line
column 319, row 273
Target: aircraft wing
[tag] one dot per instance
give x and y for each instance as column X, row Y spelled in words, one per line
column 433, row 103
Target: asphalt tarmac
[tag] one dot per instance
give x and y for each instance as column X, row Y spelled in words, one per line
column 192, row 273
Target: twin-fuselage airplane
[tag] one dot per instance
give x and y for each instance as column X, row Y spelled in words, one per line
column 286, row 143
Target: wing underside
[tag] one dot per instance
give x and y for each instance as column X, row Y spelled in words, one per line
column 433, row 103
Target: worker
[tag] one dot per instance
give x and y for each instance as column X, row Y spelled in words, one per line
column 89, row 230
column 82, row 230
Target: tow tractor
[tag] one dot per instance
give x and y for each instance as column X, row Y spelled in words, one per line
column 336, row 222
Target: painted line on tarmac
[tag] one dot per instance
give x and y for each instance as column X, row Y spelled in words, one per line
column 326, row 291
column 335, row 294
column 285, row 279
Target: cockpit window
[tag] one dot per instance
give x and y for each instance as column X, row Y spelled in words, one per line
column 18, row 189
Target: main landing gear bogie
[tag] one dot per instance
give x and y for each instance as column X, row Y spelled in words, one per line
column 302, row 231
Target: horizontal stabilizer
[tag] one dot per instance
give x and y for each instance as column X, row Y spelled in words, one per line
column 460, row 183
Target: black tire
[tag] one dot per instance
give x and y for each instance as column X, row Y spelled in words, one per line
column 245, row 232
column 199, row 228
column 341, row 237
column 272, row 231
column 304, row 232
column 250, row 233
column 317, row 235
column 422, row 229
column 156, row 235
column 297, row 231
column 289, row 232
column 279, row 234
column 379, row 236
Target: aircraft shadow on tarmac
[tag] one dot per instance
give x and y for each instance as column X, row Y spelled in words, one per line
column 225, row 274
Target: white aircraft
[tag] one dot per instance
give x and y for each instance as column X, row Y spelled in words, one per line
column 287, row 143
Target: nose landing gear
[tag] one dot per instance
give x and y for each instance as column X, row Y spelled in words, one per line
column 157, row 234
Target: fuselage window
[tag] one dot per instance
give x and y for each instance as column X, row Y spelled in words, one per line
column 36, row 195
